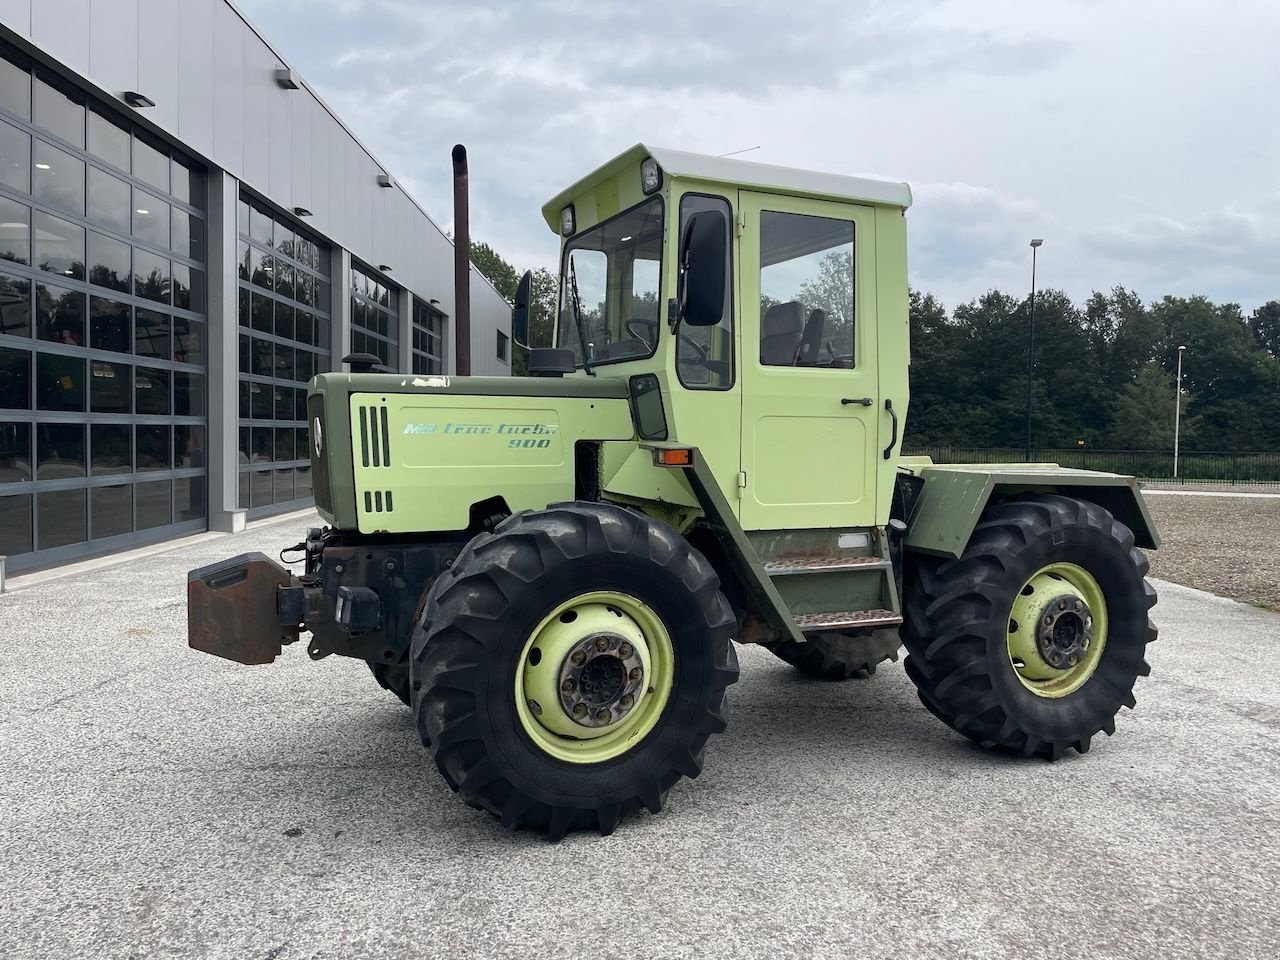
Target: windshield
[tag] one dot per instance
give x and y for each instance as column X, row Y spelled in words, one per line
column 618, row 268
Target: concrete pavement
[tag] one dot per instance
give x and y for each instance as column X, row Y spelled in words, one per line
column 156, row 802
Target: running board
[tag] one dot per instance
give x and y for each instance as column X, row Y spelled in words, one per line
column 850, row 620
column 800, row 565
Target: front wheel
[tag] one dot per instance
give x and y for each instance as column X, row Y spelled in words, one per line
column 1032, row 641
column 571, row 667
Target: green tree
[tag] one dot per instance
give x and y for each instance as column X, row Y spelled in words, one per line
column 500, row 273
column 1264, row 324
column 1142, row 412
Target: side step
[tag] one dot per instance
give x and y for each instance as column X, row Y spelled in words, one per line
column 851, row 620
column 800, row 565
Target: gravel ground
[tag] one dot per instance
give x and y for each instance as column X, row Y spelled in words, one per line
column 1226, row 545
column 157, row 802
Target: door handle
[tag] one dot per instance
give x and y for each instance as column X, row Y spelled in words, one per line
column 893, row 440
column 860, row 401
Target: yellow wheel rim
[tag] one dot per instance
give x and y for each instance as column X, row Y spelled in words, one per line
column 594, row 677
column 1057, row 630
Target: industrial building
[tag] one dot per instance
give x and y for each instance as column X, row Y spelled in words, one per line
column 187, row 235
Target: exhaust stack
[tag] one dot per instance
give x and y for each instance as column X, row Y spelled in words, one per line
column 461, row 263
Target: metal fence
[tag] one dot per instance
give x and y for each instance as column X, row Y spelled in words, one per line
column 1193, row 466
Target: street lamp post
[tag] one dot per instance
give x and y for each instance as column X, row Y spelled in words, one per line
column 1031, row 344
column 1177, row 412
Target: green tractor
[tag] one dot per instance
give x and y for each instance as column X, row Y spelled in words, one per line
column 551, row 570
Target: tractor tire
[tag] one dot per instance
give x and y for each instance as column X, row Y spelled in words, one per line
column 1031, row 642
column 839, row 656
column 548, row 589
column 393, row 677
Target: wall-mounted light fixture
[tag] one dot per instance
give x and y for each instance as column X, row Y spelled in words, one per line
column 139, row 100
column 286, row 79
column 386, row 180
column 301, row 212
column 434, row 302
column 384, row 268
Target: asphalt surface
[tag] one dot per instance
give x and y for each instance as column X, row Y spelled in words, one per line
column 157, row 802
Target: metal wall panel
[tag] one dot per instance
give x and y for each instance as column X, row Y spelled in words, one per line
column 113, row 44
column 279, row 135
column 258, row 71
column 196, row 75
column 159, row 41
column 228, row 91
column 16, row 14
column 61, row 28
column 300, row 158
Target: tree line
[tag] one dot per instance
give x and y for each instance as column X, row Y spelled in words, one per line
column 1104, row 370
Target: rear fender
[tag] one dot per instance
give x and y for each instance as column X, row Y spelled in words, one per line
column 948, row 506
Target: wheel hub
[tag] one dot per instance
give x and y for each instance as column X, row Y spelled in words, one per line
column 588, row 672
column 1064, row 631
column 1057, row 629
column 601, row 679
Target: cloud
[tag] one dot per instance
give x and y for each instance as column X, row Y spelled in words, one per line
column 1098, row 126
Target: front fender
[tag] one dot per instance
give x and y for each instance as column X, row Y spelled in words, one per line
column 947, row 508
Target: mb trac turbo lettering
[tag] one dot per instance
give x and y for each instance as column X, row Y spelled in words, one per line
column 551, row 571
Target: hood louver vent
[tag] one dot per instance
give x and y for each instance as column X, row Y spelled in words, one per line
column 375, row 437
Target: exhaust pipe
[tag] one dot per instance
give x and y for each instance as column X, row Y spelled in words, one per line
column 461, row 263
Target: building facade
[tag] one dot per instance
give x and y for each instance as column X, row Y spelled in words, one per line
column 187, row 235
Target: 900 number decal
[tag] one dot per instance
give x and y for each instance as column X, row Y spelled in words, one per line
column 526, row 443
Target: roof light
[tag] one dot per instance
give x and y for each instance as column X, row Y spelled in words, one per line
column 42, row 166
column 650, row 175
column 567, row 221
column 143, row 212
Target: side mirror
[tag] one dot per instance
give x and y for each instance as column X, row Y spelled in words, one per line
column 700, row 288
column 520, row 311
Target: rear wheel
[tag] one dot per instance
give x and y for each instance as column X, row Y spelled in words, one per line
column 571, row 667
column 839, row 656
column 1032, row 641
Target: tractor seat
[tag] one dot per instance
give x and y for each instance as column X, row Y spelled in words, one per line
column 780, row 334
column 811, row 341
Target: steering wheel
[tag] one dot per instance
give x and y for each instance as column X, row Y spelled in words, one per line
column 650, row 336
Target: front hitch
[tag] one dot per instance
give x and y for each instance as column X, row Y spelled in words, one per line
column 243, row 609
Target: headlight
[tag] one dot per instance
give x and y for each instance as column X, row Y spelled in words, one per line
column 566, row 221
column 650, row 175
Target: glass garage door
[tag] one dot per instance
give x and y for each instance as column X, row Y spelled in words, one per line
column 284, row 341
column 102, row 327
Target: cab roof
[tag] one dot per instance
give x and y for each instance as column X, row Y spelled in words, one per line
column 765, row 177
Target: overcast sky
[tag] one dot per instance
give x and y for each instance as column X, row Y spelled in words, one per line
column 1140, row 138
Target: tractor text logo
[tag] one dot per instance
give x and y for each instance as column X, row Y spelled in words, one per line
column 484, row 429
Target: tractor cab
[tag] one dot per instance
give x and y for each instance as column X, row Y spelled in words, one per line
column 758, row 313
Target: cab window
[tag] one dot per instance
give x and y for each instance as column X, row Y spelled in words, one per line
column 610, row 280
column 806, row 291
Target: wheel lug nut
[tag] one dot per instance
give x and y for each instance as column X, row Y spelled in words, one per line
column 625, row 651
column 579, row 709
column 1048, row 620
column 567, row 685
column 626, row 701
column 635, row 674
column 578, row 658
column 1062, row 604
column 602, row 715
column 1079, row 605
column 602, row 644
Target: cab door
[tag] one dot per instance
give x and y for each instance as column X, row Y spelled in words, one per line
column 810, row 401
